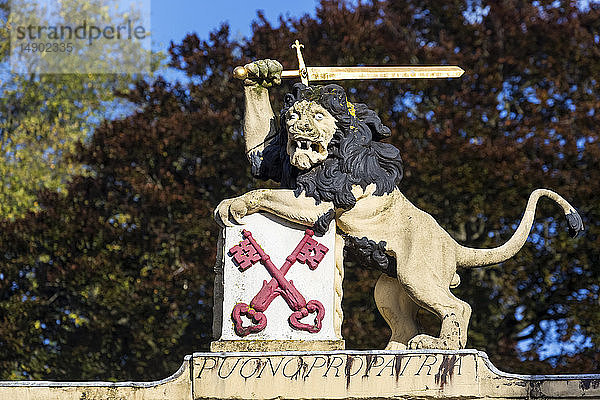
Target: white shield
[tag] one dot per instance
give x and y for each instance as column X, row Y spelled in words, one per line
column 278, row 239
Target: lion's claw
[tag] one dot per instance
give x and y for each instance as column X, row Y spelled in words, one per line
column 238, row 210
column 430, row 342
column 424, row 342
column 221, row 213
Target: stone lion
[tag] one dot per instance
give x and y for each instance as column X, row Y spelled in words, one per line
column 327, row 155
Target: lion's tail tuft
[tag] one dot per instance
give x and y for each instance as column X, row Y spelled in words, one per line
column 470, row 257
column 575, row 223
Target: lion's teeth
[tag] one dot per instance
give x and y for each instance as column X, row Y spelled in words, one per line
column 302, row 144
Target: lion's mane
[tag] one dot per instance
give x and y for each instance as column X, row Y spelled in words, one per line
column 356, row 156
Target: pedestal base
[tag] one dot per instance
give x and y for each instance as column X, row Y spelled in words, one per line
column 379, row 374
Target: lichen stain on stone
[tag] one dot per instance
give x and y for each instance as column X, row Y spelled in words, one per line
column 446, row 370
column 259, row 90
column 589, row 383
column 110, row 394
column 304, row 368
column 349, row 361
column 534, row 390
column 299, row 371
column 369, row 365
column 397, row 365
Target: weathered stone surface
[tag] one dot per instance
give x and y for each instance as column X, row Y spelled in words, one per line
column 176, row 387
column 419, row 374
column 416, row 374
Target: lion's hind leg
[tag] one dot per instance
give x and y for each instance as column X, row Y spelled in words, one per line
column 453, row 313
column 452, row 335
column 398, row 310
column 427, row 281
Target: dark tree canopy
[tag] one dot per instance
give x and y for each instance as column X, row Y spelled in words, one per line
column 114, row 280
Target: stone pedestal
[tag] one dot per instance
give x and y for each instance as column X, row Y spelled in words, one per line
column 416, row 374
column 242, row 277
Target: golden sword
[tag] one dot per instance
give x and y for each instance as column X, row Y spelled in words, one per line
column 307, row 74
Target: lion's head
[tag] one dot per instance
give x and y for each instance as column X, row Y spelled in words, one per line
column 310, row 128
column 326, row 145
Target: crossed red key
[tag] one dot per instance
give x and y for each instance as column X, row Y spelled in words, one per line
column 246, row 254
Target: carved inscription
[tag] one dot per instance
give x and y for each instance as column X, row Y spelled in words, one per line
column 441, row 368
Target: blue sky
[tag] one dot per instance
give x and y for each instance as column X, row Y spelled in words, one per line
column 173, row 19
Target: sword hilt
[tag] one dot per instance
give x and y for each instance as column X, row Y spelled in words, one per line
column 241, row 73
column 301, row 66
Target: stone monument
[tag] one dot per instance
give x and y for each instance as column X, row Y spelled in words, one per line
column 279, row 269
column 328, row 156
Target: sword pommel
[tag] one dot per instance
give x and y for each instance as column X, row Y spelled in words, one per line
column 240, row 73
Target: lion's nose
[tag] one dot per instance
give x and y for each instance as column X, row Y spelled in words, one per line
column 304, row 125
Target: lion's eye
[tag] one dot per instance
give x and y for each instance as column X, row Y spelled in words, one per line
column 293, row 116
column 318, row 116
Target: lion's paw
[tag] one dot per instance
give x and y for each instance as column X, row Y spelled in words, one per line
column 232, row 211
column 430, row 342
column 221, row 213
column 393, row 345
column 239, row 209
column 265, row 73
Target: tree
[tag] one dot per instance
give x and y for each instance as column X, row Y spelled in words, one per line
column 116, row 276
column 45, row 116
column 113, row 280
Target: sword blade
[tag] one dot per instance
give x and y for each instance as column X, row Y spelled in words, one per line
column 407, row 72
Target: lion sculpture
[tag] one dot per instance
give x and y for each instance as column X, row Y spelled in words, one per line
column 327, row 155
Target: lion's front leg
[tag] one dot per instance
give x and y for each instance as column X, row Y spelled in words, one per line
column 231, row 211
column 281, row 202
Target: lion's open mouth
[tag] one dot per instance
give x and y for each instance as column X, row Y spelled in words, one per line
column 305, row 144
column 305, row 153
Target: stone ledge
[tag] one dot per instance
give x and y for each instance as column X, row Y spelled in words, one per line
column 177, row 386
column 409, row 374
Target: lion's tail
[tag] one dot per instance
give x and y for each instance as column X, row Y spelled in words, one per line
column 470, row 257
